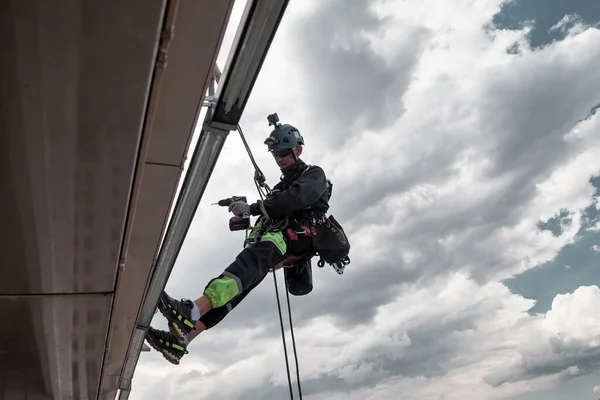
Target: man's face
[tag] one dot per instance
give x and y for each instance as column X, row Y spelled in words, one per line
column 285, row 157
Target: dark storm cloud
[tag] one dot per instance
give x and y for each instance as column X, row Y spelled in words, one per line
column 528, row 118
column 432, row 353
column 526, row 112
column 352, row 87
column 530, row 114
column 561, row 357
column 355, row 301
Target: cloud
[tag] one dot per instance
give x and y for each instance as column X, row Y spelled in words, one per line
column 353, row 87
column 448, row 155
column 566, row 341
column 421, row 340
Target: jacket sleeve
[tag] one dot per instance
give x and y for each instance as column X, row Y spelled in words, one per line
column 304, row 191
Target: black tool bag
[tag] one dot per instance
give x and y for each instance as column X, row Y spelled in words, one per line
column 332, row 244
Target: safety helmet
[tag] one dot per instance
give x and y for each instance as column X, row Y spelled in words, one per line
column 284, row 137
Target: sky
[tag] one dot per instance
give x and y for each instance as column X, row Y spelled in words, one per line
column 463, row 142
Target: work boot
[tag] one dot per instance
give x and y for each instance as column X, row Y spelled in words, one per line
column 179, row 315
column 167, row 344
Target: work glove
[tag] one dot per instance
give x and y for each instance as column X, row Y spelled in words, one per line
column 239, row 208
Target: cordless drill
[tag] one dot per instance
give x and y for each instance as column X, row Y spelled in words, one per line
column 236, row 223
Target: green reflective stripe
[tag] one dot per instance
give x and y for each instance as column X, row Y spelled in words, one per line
column 277, row 239
column 178, row 347
column 185, row 321
column 221, row 291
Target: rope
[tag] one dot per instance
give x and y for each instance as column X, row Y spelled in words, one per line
column 287, row 364
column 259, row 177
column 287, row 295
column 259, row 181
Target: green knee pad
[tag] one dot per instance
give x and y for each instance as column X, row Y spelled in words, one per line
column 221, row 291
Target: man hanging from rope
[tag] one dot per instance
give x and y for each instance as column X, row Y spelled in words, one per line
column 283, row 231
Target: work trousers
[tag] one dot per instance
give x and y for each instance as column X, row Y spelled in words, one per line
column 245, row 273
column 249, row 269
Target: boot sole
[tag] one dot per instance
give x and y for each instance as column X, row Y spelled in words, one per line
column 170, row 357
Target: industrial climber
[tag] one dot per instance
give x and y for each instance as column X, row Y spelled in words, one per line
column 284, row 232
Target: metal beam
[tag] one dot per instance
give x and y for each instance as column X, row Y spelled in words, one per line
column 251, row 45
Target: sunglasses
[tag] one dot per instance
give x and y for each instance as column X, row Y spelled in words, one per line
column 281, row 152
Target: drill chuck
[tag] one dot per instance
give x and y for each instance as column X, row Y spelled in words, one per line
column 227, row 202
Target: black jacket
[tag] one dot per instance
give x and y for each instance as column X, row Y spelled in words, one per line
column 301, row 191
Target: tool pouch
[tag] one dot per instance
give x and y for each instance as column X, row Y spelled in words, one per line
column 332, row 244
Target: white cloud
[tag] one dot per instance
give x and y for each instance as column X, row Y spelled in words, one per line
column 571, row 24
column 561, row 342
column 574, row 316
column 441, row 174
